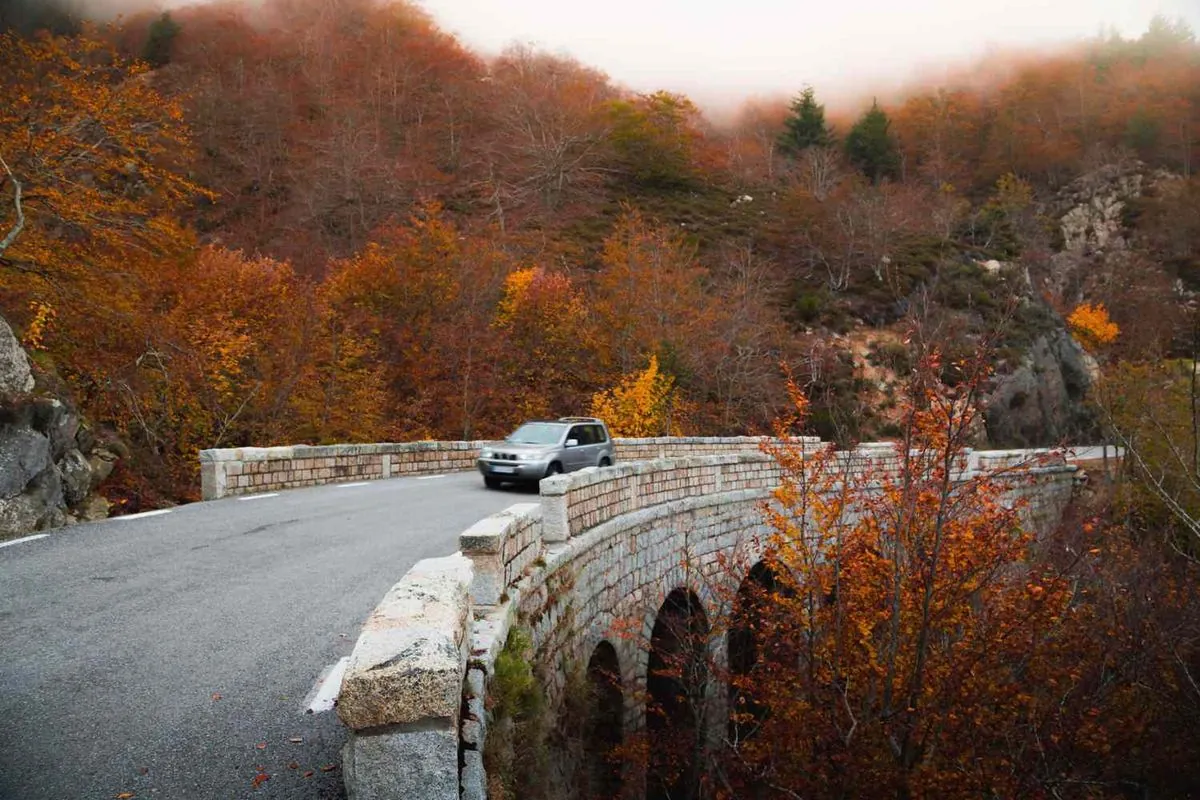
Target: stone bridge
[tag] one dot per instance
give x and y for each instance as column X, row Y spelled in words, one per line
column 654, row 535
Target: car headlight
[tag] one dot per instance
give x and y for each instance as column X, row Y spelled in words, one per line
column 527, row 456
column 487, row 454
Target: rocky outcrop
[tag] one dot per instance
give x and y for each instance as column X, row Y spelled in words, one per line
column 50, row 462
column 1091, row 207
column 1041, row 402
column 15, row 375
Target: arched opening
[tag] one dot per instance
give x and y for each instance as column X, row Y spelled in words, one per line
column 605, row 720
column 675, row 681
column 745, row 643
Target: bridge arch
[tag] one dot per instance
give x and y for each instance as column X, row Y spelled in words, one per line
column 743, row 647
column 676, row 685
column 604, row 730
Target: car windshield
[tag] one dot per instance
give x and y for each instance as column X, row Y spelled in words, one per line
column 536, row 433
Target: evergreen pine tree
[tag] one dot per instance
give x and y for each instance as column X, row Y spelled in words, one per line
column 157, row 52
column 806, row 126
column 870, row 146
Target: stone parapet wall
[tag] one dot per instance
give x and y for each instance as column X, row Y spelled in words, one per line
column 581, row 501
column 252, row 470
column 249, row 470
column 679, row 446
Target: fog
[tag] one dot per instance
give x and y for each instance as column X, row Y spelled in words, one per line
column 721, row 52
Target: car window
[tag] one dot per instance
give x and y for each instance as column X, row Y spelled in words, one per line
column 536, row 433
column 598, row 434
column 580, row 433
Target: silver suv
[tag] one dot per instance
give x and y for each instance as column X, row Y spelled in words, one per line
column 541, row 448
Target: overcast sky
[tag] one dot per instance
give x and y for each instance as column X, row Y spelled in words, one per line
column 718, row 50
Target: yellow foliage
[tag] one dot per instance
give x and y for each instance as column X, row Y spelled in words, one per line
column 1092, row 327
column 516, row 289
column 43, row 318
column 640, row 405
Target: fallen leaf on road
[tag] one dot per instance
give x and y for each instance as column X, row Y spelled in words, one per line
column 293, row 765
column 216, row 696
column 260, row 779
column 329, row 768
column 125, row 795
column 308, row 774
column 261, row 745
column 143, row 770
column 295, row 740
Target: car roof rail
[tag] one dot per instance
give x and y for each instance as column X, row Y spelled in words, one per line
column 580, row 419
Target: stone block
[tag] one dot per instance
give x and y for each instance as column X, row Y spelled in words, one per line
column 402, row 765
column 474, row 778
column 410, row 659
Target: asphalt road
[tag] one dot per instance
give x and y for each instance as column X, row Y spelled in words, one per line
column 174, row 655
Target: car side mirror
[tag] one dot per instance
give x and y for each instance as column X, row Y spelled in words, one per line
column 572, row 442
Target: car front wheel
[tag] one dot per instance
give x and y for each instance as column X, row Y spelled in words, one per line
column 491, row 483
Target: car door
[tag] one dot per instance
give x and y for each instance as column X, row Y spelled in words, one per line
column 576, row 457
column 596, row 450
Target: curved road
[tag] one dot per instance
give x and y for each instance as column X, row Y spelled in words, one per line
column 174, row 655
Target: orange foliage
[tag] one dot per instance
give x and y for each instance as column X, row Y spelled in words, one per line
column 91, row 161
column 1092, row 327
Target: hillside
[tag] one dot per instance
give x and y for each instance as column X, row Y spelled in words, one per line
column 316, row 222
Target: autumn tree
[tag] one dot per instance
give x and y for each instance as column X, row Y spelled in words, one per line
column 91, row 159
column 753, row 142
column 542, row 320
column 417, row 303
column 649, row 296
column 904, row 610
column 552, row 127
column 1092, row 326
column 641, row 405
column 659, row 139
column 940, row 133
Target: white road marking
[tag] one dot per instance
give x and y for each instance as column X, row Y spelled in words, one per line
column 352, row 485
column 429, row 477
column 259, row 496
column 325, row 691
column 24, row 539
column 154, row 513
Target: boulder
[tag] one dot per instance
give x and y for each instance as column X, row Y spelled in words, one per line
column 39, row 507
column 76, row 476
column 24, row 454
column 102, row 461
column 58, row 422
column 15, row 374
column 95, row 508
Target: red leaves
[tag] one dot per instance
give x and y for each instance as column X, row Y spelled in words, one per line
column 259, row 780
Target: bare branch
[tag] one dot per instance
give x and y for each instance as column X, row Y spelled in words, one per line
column 12, row 235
